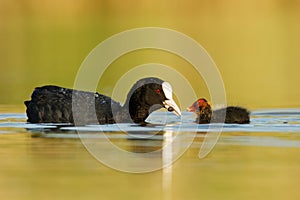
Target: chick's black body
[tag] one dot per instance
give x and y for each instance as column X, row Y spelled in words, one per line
column 61, row 105
column 230, row 115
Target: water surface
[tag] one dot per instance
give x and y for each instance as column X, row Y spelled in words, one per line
column 48, row 161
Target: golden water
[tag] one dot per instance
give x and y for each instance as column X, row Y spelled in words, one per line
column 47, row 168
column 243, row 165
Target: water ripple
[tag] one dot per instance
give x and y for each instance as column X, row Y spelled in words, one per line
column 276, row 120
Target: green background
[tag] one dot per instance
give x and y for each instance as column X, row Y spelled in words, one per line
column 254, row 43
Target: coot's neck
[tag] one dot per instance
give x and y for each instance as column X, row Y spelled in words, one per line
column 132, row 112
column 137, row 111
column 204, row 114
column 141, row 101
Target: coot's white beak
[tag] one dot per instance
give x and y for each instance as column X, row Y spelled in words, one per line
column 170, row 104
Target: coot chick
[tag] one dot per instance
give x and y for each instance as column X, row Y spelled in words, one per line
column 231, row 114
column 53, row 104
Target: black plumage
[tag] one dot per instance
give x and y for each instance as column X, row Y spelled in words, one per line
column 54, row 104
column 230, row 114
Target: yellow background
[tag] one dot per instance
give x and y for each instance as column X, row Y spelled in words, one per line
column 254, row 43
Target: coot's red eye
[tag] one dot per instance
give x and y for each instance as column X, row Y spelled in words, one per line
column 157, row 91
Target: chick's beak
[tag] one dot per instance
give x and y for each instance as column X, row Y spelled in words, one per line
column 191, row 109
column 171, row 106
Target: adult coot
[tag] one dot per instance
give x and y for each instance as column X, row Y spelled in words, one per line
column 53, row 104
column 231, row 114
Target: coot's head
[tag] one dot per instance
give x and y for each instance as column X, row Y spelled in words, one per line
column 148, row 95
column 200, row 104
column 202, row 109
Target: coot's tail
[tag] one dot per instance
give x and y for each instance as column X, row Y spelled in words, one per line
column 232, row 114
column 237, row 115
column 50, row 104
